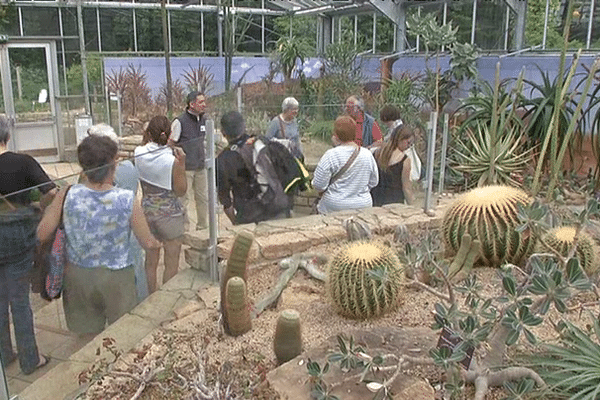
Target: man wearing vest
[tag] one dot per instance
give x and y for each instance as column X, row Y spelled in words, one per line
column 368, row 131
column 189, row 131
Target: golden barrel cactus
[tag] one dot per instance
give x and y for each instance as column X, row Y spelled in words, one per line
column 561, row 239
column 364, row 280
column 489, row 214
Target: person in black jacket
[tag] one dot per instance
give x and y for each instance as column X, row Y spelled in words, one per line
column 244, row 198
column 189, row 131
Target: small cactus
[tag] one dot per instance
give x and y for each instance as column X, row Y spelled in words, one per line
column 287, row 343
column 561, row 239
column 364, row 280
column 489, row 214
column 235, row 267
column 236, row 307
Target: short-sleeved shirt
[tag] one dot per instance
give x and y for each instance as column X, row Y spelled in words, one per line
column 97, row 226
column 290, row 132
column 19, row 172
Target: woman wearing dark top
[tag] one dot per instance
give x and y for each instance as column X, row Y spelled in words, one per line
column 394, row 169
column 18, row 222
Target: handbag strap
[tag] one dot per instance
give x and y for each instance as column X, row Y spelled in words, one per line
column 338, row 174
column 62, row 207
column 281, row 127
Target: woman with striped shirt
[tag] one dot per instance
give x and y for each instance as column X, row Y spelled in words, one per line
column 351, row 189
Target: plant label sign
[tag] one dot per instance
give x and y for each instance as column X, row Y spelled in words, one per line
column 449, row 339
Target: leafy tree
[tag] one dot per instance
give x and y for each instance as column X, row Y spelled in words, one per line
column 534, row 25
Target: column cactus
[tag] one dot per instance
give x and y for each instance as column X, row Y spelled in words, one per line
column 235, row 267
column 237, row 309
column 287, row 343
column 364, row 280
column 489, row 214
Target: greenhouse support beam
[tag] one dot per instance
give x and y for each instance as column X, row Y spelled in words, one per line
column 86, row 90
column 474, row 22
column 589, row 32
column 545, row 35
column 397, row 13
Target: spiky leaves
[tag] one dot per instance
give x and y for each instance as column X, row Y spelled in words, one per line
column 288, row 337
column 562, row 239
column 489, row 214
column 364, row 280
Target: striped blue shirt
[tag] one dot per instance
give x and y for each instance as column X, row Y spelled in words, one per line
column 351, row 190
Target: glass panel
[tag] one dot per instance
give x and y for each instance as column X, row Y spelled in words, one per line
column 116, row 29
column 40, row 21
column 489, row 28
column 29, row 76
column 185, row 30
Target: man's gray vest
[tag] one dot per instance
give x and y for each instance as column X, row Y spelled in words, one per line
column 367, row 133
column 191, row 140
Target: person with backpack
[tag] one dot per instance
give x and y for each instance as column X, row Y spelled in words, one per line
column 254, row 175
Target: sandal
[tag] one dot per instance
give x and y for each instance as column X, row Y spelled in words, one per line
column 44, row 360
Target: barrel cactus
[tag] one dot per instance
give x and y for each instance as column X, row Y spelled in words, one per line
column 561, row 239
column 288, row 337
column 237, row 309
column 489, row 214
column 364, row 280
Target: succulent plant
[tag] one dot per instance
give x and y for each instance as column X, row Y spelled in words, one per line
column 489, row 214
column 288, row 337
column 236, row 307
column 562, row 238
column 364, row 280
column 235, row 267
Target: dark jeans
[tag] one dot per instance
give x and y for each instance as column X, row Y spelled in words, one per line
column 15, row 265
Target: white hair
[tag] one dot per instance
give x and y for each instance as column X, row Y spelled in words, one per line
column 103, row 130
column 360, row 103
column 289, row 103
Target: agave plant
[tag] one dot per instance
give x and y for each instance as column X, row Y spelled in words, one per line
column 492, row 152
column 489, row 159
column 570, row 369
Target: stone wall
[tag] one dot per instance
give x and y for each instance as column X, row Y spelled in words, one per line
column 278, row 239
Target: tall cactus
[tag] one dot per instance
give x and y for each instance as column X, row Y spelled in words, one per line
column 364, row 280
column 489, row 214
column 287, row 343
column 562, row 239
column 236, row 267
column 237, row 309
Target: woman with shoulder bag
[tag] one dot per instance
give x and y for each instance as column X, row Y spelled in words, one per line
column 99, row 281
column 346, row 173
column 18, row 221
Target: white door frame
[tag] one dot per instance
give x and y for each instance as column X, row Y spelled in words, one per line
column 44, row 140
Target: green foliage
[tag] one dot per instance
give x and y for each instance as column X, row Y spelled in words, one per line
column 75, row 75
column 364, row 280
column 492, row 152
column 462, row 61
column 303, row 28
column 570, row 368
column 434, row 36
column 534, row 24
column 288, row 51
column 321, row 130
column 8, row 16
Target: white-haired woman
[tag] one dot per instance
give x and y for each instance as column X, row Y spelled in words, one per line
column 127, row 177
column 285, row 126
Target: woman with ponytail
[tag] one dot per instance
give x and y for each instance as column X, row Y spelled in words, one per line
column 162, row 177
column 394, row 168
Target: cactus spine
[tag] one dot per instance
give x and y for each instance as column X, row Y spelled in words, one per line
column 562, row 238
column 236, row 308
column 236, row 267
column 489, row 214
column 364, row 280
column 288, row 337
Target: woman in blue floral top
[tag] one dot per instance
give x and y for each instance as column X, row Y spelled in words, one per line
column 99, row 282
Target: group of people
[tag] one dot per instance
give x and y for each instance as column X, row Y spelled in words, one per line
column 107, row 226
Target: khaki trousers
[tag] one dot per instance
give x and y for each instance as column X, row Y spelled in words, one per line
column 197, row 187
